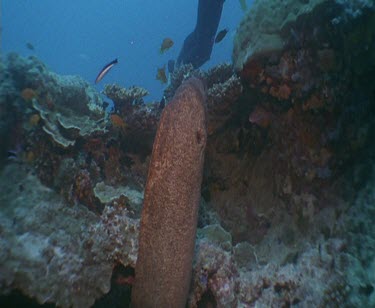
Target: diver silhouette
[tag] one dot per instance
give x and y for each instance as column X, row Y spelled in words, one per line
column 197, row 46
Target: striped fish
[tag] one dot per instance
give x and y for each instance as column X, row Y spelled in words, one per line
column 105, row 70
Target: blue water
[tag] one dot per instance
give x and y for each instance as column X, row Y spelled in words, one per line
column 79, row 37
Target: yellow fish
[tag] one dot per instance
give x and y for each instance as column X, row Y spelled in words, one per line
column 34, row 119
column 160, row 75
column 28, row 94
column 243, row 5
column 117, row 121
column 165, row 45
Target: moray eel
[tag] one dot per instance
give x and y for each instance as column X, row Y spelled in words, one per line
column 172, row 196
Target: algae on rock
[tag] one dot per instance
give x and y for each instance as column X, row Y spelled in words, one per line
column 260, row 31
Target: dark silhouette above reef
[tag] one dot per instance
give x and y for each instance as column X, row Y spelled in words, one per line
column 197, row 46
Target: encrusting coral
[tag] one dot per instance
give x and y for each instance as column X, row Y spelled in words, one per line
column 286, row 200
column 65, row 255
column 124, row 98
column 293, row 123
column 131, row 112
column 55, row 252
column 64, row 127
column 223, row 90
column 68, row 106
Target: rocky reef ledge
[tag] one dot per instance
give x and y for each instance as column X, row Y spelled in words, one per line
column 288, row 183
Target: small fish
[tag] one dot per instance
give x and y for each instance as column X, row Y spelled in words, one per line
column 220, row 36
column 165, row 45
column 105, row 70
column 30, row 46
column 34, row 119
column 12, row 155
column 28, row 94
column 160, row 75
column 15, row 154
column 243, row 5
column 117, row 122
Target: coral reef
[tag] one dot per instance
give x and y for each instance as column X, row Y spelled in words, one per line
column 267, row 26
column 59, row 127
column 288, row 182
column 67, row 105
column 140, row 119
column 82, row 191
column 360, row 254
column 220, row 280
column 220, row 100
column 65, row 255
column 64, row 127
column 53, row 90
column 292, row 135
column 10, row 116
column 177, row 77
column 223, row 90
column 123, row 98
column 129, row 105
column 58, row 253
column 260, row 33
column 109, row 194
